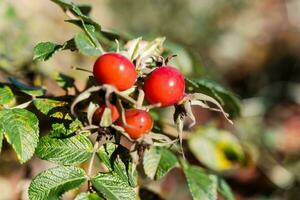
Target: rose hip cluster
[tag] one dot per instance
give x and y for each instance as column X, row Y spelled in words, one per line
column 165, row 85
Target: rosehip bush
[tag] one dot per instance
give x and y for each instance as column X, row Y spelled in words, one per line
column 113, row 119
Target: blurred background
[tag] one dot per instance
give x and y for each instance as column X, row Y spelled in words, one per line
column 250, row 47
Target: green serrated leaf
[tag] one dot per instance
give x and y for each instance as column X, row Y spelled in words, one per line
column 53, row 183
column 226, row 98
column 65, row 151
column 52, row 108
column 201, row 185
column 115, row 164
column 217, row 149
column 30, row 90
column 44, row 50
column 225, row 190
column 65, row 129
column 112, row 187
column 6, row 95
column 158, row 162
column 86, row 46
column 88, row 196
column 20, row 128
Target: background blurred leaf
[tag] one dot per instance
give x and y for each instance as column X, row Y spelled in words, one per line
column 30, row 90
column 217, row 149
column 20, row 128
column 64, row 81
column 183, row 60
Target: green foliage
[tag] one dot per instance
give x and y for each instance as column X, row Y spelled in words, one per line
column 87, row 196
column 68, row 128
column 6, row 95
column 224, row 189
column 45, row 50
column 67, row 145
column 158, row 162
column 65, row 151
column 52, row 108
column 228, row 100
column 53, row 183
column 122, row 168
column 86, row 46
column 217, row 149
column 202, row 186
column 20, row 128
column 30, row 90
column 113, row 187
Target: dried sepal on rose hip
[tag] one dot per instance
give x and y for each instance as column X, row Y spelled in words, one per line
column 115, row 69
column 99, row 113
column 165, row 85
column 138, row 123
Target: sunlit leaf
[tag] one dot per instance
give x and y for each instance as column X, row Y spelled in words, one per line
column 20, row 128
column 52, row 108
column 53, row 183
column 112, row 187
column 116, row 165
column 6, row 95
column 66, row 151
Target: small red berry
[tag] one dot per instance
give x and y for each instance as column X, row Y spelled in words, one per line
column 99, row 112
column 139, row 122
column 116, row 70
column 164, row 85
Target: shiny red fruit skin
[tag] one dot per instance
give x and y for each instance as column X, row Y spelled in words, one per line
column 139, row 122
column 99, row 112
column 116, row 70
column 164, row 85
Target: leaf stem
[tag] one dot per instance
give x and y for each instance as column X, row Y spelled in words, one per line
column 96, row 146
column 140, row 98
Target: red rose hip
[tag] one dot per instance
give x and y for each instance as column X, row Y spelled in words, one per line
column 99, row 112
column 116, row 70
column 139, row 122
column 164, row 85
